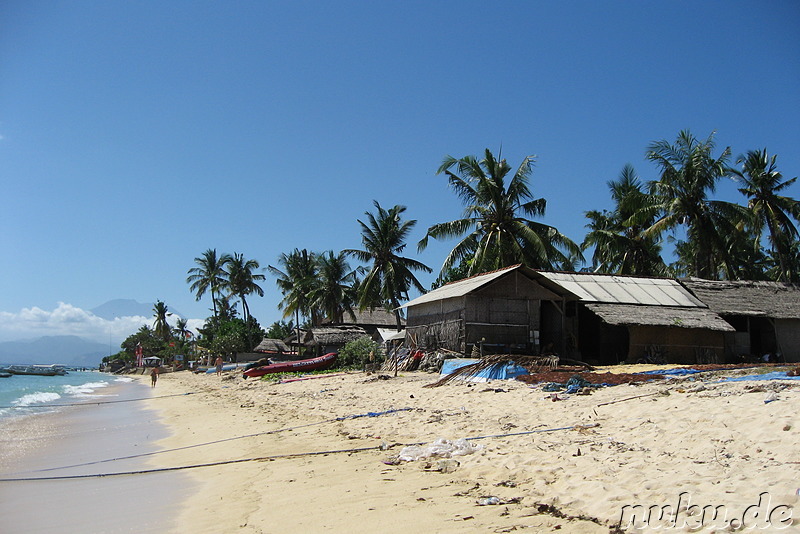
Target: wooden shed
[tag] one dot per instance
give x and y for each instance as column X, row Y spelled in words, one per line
column 629, row 318
column 513, row 310
column 765, row 316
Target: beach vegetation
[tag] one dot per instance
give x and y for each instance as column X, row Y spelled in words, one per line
column 208, row 276
column 279, row 330
column 296, row 275
column 333, row 292
column 497, row 229
column 242, row 280
column 762, row 183
column 619, row 237
column 389, row 276
column 161, row 327
column 358, row 353
column 689, row 173
column 227, row 337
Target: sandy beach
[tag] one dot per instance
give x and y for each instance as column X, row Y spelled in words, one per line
column 77, row 441
column 305, row 456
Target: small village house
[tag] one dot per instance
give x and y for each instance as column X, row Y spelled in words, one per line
column 512, row 310
column 765, row 317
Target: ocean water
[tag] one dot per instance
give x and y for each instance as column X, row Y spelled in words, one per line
column 22, row 395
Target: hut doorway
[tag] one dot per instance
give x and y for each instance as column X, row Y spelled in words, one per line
column 601, row 343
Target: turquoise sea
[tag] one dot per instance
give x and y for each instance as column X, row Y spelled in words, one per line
column 25, row 394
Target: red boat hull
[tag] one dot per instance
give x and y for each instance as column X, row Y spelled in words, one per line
column 311, row 364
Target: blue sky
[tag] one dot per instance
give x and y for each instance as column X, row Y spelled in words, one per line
column 136, row 135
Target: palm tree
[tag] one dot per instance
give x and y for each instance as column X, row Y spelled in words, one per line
column 620, row 243
column 209, row 275
column 390, row 276
column 295, row 283
column 761, row 183
column 181, row 329
column 689, row 173
column 160, row 325
column 242, row 280
column 332, row 293
column 498, row 234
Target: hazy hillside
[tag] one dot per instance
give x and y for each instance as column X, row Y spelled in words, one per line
column 127, row 308
column 69, row 350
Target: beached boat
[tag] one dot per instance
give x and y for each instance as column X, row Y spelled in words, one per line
column 312, row 364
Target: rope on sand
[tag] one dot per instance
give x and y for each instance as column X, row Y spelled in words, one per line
column 223, row 440
column 275, row 456
column 90, row 403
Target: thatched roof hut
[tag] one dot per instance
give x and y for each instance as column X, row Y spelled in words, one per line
column 749, row 298
column 765, row 316
column 332, row 338
column 272, row 346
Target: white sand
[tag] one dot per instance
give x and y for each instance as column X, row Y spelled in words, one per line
column 719, row 446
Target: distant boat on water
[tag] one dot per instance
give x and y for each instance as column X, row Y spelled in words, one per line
column 38, row 370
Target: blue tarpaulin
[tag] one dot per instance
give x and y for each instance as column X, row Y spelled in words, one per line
column 499, row 371
column 775, row 375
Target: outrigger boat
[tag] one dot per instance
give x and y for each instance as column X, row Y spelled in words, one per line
column 312, row 364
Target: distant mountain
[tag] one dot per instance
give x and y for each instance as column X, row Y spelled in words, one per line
column 127, row 308
column 69, row 350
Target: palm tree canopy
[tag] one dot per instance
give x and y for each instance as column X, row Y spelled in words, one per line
column 390, row 276
column 160, row 325
column 295, row 281
column 621, row 245
column 496, row 210
column 209, row 275
column 332, row 292
column 689, row 172
column 242, row 280
column 761, row 184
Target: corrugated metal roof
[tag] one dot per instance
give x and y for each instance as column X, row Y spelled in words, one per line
column 609, row 289
column 460, row 288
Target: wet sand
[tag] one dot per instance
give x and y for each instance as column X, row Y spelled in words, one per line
column 77, row 436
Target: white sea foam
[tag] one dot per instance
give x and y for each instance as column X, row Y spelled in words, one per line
column 84, row 389
column 123, row 379
column 40, row 397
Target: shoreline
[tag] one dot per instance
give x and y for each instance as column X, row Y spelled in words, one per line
column 77, row 440
column 570, row 464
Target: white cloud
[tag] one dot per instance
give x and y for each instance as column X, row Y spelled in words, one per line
column 67, row 319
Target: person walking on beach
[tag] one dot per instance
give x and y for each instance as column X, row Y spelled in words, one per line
column 218, row 363
column 154, row 376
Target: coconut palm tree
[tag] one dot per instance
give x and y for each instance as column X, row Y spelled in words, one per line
column 620, row 243
column 498, row 232
column 689, row 172
column 181, row 329
column 160, row 325
column 761, row 184
column 295, row 281
column 390, row 276
column 209, row 275
column 332, row 292
column 242, row 280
